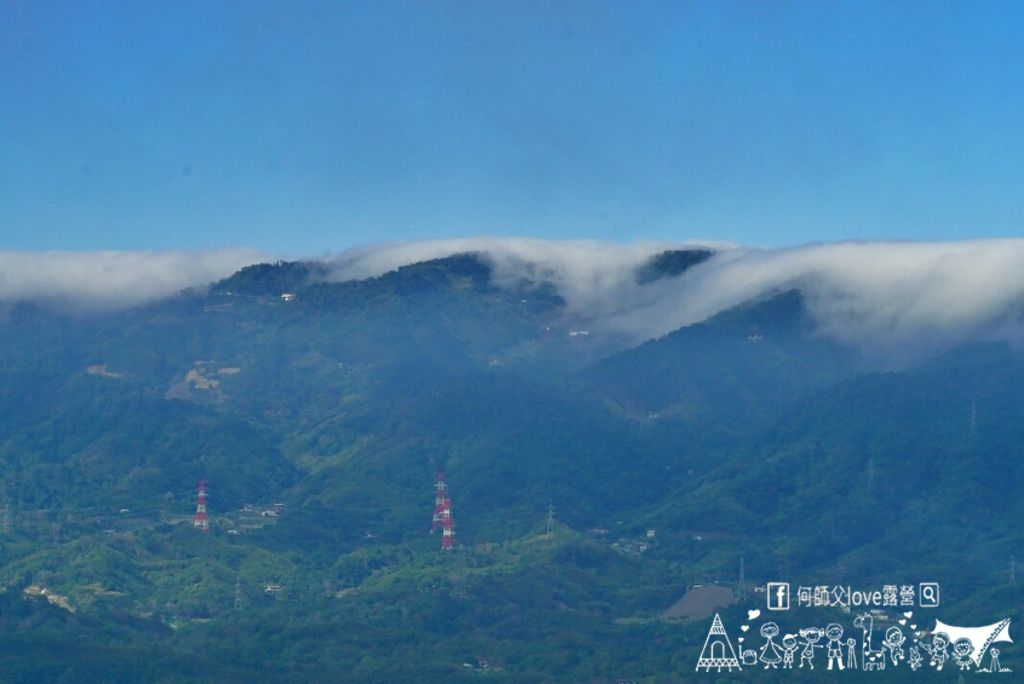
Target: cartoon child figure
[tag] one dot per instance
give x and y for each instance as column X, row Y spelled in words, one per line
column 834, row 633
column 811, row 636
column 937, row 650
column 851, row 654
column 962, row 650
column 894, row 642
column 771, row 655
column 789, row 648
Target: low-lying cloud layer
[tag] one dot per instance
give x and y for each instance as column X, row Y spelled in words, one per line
column 870, row 293
column 864, row 292
column 113, row 279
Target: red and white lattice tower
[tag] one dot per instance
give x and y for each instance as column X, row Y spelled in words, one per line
column 439, row 502
column 443, row 514
column 447, row 527
column 201, row 522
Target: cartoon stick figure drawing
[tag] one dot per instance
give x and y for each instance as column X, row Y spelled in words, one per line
column 894, row 642
column 962, row 650
column 811, row 636
column 834, row 633
column 937, row 649
column 771, row 656
column 789, row 648
column 915, row 658
column 851, row 654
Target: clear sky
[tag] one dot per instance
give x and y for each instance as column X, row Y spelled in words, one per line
column 302, row 127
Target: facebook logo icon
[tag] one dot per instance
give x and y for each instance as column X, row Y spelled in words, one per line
column 778, row 595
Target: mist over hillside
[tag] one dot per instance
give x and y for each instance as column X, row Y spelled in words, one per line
column 615, row 424
column 877, row 295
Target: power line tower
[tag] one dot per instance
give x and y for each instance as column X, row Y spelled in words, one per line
column 200, row 521
column 740, row 593
column 1013, row 571
column 443, row 514
column 549, row 526
column 871, row 472
column 447, row 527
column 238, row 593
column 440, row 496
column 7, row 520
column 974, row 419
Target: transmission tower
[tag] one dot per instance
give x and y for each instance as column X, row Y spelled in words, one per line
column 740, row 594
column 447, row 527
column 974, row 419
column 441, row 495
column 238, row 593
column 549, row 526
column 443, row 514
column 200, row 521
column 1013, row 571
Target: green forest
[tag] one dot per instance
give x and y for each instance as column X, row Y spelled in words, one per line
column 592, row 480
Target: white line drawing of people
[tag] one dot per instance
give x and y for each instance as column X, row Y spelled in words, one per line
column 811, row 636
column 915, row 658
column 771, row 655
column 937, row 650
column 894, row 643
column 851, row 654
column 834, row 634
column 962, row 650
column 789, row 646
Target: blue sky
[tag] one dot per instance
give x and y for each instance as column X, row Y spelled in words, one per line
column 302, row 128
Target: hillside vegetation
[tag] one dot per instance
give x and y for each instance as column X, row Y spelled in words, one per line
column 320, row 419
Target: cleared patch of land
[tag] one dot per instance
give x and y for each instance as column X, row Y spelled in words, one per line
column 700, row 602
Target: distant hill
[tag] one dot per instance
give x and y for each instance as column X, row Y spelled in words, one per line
column 320, row 420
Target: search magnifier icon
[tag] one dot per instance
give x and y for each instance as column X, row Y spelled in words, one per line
column 929, row 593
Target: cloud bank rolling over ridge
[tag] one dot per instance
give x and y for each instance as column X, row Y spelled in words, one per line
column 862, row 292
column 113, row 279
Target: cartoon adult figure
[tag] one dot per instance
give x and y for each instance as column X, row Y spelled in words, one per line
column 789, row 647
column 962, row 650
column 915, row 658
column 937, row 650
column 894, row 642
column 851, row 654
column 834, row 633
column 811, row 636
column 771, row 655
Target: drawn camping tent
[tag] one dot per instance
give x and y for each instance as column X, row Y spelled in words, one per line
column 980, row 637
column 717, row 652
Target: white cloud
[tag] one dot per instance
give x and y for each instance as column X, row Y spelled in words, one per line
column 872, row 293
column 110, row 279
column 595, row 278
